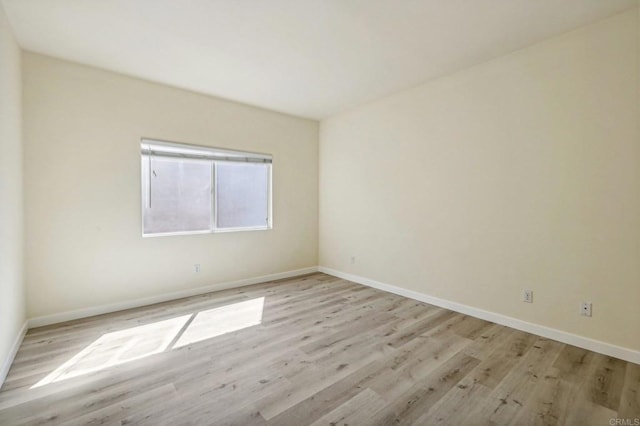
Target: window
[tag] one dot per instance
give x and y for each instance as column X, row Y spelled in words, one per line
column 192, row 189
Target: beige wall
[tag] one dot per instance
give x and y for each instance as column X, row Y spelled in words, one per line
column 520, row 173
column 12, row 304
column 82, row 180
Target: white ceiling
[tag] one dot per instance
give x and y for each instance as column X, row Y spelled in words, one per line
column 310, row 58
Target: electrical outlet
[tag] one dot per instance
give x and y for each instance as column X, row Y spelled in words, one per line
column 196, row 268
column 527, row 296
column 585, row 309
column 353, row 260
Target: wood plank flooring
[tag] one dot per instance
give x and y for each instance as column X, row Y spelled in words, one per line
column 312, row 350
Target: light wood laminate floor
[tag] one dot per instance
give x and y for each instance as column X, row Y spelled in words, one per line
column 309, row 350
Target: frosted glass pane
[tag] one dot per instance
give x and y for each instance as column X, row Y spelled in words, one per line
column 242, row 195
column 180, row 195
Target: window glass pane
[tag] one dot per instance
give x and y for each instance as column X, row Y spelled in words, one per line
column 242, row 195
column 180, row 195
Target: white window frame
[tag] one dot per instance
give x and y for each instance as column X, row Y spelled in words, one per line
column 213, row 156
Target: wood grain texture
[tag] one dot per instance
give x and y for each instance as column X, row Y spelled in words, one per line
column 308, row 350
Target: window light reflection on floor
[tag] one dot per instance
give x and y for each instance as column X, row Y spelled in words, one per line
column 134, row 343
column 218, row 321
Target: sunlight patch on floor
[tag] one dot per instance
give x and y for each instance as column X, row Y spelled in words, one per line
column 219, row 321
column 134, row 343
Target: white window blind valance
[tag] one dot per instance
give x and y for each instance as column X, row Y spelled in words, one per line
column 151, row 147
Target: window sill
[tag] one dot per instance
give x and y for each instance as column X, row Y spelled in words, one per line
column 217, row 231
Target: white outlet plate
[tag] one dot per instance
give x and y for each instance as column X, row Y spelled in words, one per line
column 196, row 267
column 585, row 309
column 527, row 296
column 353, row 260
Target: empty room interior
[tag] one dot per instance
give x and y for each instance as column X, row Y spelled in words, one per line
column 320, row 212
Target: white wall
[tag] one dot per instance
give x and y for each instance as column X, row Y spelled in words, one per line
column 82, row 128
column 519, row 173
column 12, row 305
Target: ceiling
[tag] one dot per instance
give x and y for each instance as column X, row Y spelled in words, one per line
column 311, row 58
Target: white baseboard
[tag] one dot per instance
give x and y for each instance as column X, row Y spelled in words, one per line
column 540, row 330
column 114, row 307
column 6, row 364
